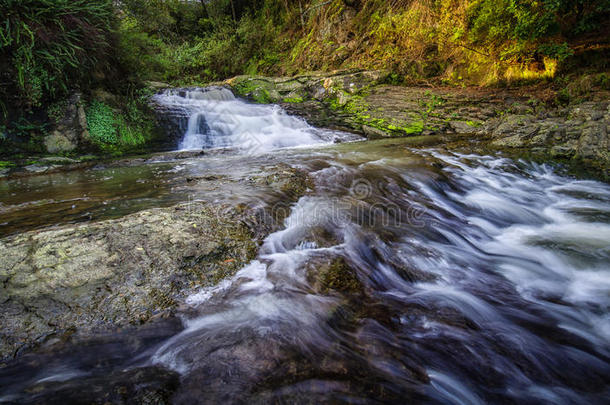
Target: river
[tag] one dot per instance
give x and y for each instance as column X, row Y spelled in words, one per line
column 407, row 274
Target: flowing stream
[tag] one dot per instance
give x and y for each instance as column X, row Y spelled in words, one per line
column 410, row 274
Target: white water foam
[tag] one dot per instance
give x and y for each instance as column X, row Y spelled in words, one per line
column 218, row 119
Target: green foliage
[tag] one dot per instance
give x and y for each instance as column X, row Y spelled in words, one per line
column 431, row 103
column 120, row 130
column 24, row 127
column 603, row 81
column 519, row 28
column 56, row 111
column 557, row 51
column 48, row 45
column 394, row 79
column 191, row 42
column 101, row 123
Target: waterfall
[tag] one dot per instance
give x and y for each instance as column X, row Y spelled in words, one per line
column 216, row 118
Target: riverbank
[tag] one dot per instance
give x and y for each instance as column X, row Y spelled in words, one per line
column 529, row 120
column 534, row 121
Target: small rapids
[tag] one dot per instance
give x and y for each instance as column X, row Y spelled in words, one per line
column 405, row 276
column 486, row 281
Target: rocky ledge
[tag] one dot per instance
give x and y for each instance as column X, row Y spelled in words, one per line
column 74, row 280
column 364, row 102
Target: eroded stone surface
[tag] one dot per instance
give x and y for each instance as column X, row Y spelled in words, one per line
column 101, row 276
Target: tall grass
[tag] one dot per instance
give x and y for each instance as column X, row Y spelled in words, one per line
column 46, row 46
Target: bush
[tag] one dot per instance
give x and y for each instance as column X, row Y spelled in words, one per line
column 522, row 29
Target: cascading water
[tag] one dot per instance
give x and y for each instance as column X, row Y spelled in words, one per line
column 486, row 281
column 405, row 275
column 216, row 118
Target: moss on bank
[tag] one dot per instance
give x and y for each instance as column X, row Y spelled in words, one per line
column 127, row 127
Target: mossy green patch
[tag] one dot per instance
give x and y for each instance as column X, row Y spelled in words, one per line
column 361, row 113
column 117, row 131
column 293, row 100
column 256, row 90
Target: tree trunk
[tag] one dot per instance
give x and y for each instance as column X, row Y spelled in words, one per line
column 233, row 12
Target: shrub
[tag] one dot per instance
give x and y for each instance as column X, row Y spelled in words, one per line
column 519, row 28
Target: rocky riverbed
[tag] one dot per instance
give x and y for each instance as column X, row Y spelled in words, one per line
column 315, row 270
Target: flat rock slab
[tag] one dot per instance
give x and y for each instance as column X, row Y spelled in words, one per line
column 114, row 273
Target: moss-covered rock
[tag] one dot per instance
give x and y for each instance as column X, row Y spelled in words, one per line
column 58, row 143
column 360, row 102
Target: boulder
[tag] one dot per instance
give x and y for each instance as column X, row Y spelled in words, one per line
column 70, row 131
column 57, row 142
column 594, row 142
column 374, row 133
column 462, row 127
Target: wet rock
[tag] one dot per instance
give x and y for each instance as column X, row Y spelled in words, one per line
column 147, row 385
column 36, row 168
column 515, row 141
column 101, row 276
column 334, row 275
column 60, row 160
column 360, row 102
column 521, row 125
column 157, row 85
column 594, row 142
column 114, row 273
column 562, row 151
column 374, row 133
column 589, row 111
column 104, row 96
column 304, row 87
column 462, row 127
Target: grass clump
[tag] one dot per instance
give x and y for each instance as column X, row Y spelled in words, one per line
column 297, row 99
column 6, row 164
